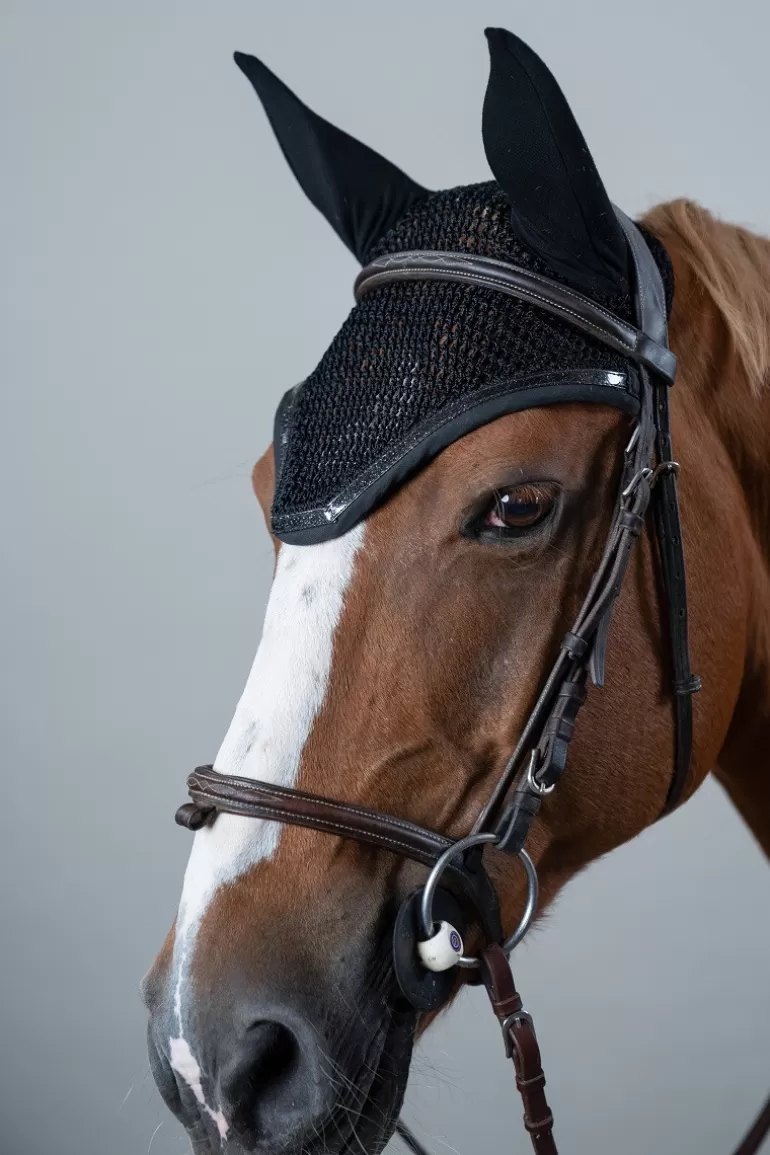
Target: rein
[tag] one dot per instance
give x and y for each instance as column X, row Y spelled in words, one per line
column 427, row 945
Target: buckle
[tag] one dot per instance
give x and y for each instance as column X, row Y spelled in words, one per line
column 513, row 1020
column 644, row 474
column 533, row 781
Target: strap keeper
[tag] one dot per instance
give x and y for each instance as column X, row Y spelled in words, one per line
column 631, row 521
column 535, row 1126
column 689, row 685
column 573, row 691
column 574, row 645
column 536, row 1081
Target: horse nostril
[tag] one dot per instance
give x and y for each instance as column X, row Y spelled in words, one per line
column 275, row 1055
column 272, row 1080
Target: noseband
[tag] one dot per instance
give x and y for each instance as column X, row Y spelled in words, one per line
column 424, row 963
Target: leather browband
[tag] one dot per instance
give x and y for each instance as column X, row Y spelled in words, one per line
column 551, row 296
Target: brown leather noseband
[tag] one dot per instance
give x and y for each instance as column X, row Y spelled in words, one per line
column 649, row 477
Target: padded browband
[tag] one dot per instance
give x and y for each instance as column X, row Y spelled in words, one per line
column 547, row 294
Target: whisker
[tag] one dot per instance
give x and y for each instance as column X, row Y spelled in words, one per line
column 125, row 1097
column 444, row 1143
column 152, row 1137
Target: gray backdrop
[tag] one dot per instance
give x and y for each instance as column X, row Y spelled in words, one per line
column 164, row 281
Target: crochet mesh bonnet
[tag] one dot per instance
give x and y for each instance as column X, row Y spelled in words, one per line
column 418, row 364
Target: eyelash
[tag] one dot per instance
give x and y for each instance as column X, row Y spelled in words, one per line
column 479, row 526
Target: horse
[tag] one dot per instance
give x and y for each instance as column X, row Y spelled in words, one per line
column 403, row 649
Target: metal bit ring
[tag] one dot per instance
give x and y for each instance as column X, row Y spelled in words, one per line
column 459, row 848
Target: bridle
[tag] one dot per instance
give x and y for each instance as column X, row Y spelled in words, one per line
column 425, row 951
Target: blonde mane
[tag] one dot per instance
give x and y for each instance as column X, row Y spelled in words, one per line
column 732, row 265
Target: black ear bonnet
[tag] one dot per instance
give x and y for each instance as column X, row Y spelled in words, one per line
column 418, row 364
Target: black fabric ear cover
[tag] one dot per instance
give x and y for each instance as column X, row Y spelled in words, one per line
column 539, row 157
column 359, row 192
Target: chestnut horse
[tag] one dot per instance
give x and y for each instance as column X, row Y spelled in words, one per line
column 397, row 666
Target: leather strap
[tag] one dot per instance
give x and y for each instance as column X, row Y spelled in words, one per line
column 409, row 1140
column 671, row 553
column 212, row 792
column 551, row 723
column 757, row 1134
column 651, row 316
column 521, row 1046
column 551, row 296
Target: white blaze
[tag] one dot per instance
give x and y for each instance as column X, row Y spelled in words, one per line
column 283, row 694
column 272, row 722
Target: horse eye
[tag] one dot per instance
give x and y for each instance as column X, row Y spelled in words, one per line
column 517, row 509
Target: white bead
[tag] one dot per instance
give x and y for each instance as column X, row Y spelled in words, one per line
column 442, row 950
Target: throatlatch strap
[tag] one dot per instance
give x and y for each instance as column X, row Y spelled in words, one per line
column 652, row 320
column 671, row 550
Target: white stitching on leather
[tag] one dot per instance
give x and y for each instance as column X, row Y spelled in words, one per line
column 495, row 264
column 207, row 788
column 512, row 290
column 272, row 814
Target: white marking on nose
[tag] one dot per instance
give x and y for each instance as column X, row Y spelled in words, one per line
column 273, row 719
column 183, row 1061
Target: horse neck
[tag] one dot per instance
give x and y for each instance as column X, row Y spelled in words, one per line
column 741, row 416
column 744, row 763
column 720, row 330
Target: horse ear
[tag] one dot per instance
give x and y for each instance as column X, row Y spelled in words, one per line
column 537, row 153
column 359, row 192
